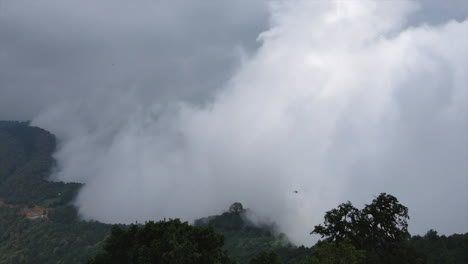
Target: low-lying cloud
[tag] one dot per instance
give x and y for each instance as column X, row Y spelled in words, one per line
column 340, row 101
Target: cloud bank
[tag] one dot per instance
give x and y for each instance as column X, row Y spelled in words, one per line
column 163, row 50
column 340, row 101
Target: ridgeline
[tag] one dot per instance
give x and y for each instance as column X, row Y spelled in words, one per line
column 39, row 224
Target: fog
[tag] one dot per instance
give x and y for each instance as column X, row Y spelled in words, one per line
column 176, row 109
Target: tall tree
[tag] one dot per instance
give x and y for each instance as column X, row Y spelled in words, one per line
column 386, row 223
column 341, row 223
column 380, row 228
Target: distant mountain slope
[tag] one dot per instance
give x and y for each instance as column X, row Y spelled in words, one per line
column 25, row 163
column 244, row 239
column 37, row 223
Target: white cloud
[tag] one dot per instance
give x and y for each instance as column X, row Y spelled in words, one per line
column 340, row 102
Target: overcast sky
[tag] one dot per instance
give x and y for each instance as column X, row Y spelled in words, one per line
column 179, row 108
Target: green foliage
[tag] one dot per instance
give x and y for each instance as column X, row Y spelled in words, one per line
column 236, row 208
column 170, row 241
column 7, row 218
column 342, row 223
column 42, row 241
column 266, row 257
column 381, row 229
column 244, row 239
column 385, row 222
column 227, row 222
column 25, row 163
column 295, row 254
column 443, row 249
column 64, row 214
column 335, row 253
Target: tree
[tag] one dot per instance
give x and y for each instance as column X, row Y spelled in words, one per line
column 340, row 223
column 442, row 249
column 385, row 222
column 266, row 257
column 236, row 208
column 381, row 228
column 325, row 252
column 163, row 242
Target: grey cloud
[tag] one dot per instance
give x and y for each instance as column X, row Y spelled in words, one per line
column 438, row 12
column 157, row 101
column 57, row 50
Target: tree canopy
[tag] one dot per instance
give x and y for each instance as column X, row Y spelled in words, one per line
column 164, row 242
column 236, row 208
column 380, row 229
column 325, row 252
column 266, row 257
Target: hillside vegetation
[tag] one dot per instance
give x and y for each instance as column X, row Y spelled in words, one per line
column 38, row 224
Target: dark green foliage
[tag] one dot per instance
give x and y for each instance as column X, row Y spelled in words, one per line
column 7, row 217
column 266, row 257
column 342, row 223
column 293, row 254
column 325, row 252
column 380, row 229
column 236, row 208
column 168, row 242
column 442, row 249
column 42, row 241
column 384, row 222
column 25, row 163
column 228, row 222
column 380, row 224
column 244, row 239
column 64, row 214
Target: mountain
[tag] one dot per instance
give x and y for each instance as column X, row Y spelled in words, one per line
column 39, row 224
column 245, row 239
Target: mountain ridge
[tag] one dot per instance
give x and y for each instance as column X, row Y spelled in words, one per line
column 39, row 224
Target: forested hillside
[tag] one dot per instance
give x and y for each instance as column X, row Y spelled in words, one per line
column 38, row 224
column 243, row 238
column 441, row 248
column 25, row 163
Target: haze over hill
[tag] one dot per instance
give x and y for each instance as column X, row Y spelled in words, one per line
column 167, row 112
column 38, row 225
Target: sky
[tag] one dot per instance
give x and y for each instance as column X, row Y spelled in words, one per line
column 180, row 108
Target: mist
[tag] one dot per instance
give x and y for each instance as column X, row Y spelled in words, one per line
column 339, row 100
